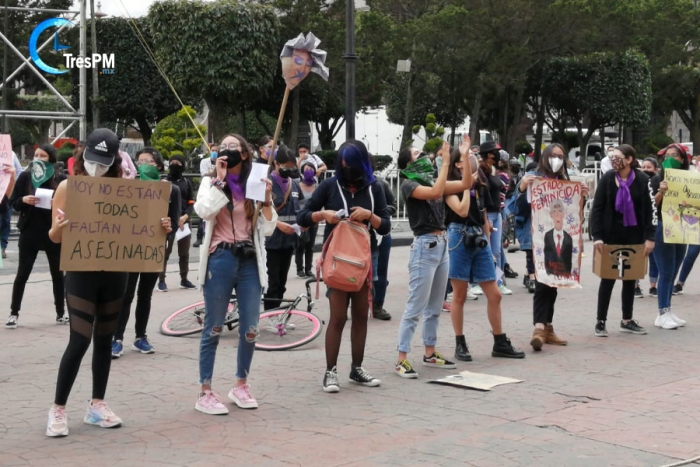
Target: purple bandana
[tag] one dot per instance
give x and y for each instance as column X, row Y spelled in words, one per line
column 236, row 190
column 282, row 182
column 623, row 201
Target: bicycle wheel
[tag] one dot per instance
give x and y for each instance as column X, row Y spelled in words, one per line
column 282, row 330
column 190, row 320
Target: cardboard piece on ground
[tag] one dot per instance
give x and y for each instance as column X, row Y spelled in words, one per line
column 45, row 197
column 182, row 233
column 5, row 159
column 114, row 225
column 256, row 186
column 478, row 381
column 622, row 262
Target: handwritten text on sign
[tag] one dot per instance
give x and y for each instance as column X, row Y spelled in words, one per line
column 681, row 207
column 115, row 225
column 5, row 159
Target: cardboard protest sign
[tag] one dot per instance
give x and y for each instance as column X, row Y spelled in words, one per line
column 681, row 207
column 115, row 225
column 5, row 159
column 621, row 262
column 556, row 231
column 478, row 381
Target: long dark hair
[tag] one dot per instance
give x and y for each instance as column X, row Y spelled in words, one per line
column 628, row 151
column 544, row 166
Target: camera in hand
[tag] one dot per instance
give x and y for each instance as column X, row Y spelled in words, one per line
column 244, row 250
column 475, row 238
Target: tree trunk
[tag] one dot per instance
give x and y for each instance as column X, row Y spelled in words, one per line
column 240, row 114
column 408, row 111
column 325, row 135
column 583, row 147
column 145, row 130
column 294, row 133
column 517, row 119
column 476, row 110
column 539, row 130
column 218, row 115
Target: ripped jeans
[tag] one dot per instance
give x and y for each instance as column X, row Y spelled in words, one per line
column 225, row 273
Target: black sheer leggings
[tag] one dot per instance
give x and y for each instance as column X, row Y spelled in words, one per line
column 94, row 302
column 359, row 309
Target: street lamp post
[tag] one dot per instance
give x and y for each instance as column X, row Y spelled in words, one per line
column 95, row 89
column 350, row 60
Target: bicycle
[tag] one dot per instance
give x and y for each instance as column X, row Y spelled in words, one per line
column 280, row 328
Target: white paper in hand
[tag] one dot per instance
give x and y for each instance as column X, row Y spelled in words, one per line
column 256, row 186
column 44, row 196
column 297, row 229
column 182, row 233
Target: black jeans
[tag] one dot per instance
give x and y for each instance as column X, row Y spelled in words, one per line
column 305, row 250
column 605, row 292
column 183, row 252
column 94, row 302
column 28, row 250
column 278, row 263
column 529, row 262
column 147, row 282
column 543, row 303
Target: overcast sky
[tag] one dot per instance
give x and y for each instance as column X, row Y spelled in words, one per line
column 134, row 8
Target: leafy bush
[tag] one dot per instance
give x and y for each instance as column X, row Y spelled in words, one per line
column 523, row 147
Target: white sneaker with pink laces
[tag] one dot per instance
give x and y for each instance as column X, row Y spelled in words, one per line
column 99, row 414
column 242, row 397
column 210, row 403
column 58, row 422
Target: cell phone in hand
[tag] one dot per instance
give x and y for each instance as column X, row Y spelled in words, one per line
column 341, row 214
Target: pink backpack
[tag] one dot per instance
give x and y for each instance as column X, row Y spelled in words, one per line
column 346, row 258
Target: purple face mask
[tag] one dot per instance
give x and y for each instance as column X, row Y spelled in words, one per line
column 308, row 176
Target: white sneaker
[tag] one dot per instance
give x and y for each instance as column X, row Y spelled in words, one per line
column 471, row 296
column 58, row 422
column 680, row 322
column 476, row 290
column 505, row 290
column 101, row 415
column 449, row 297
column 11, row 322
column 665, row 321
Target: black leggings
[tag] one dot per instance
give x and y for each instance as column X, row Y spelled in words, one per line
column 529, row 262
column 147, row 282
column 278, row 263
column 359, row 310
column 94, row 301
column 28, row 250
column 605, row 292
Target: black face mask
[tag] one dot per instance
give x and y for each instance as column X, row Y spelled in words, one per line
column 176, row 171
column 292, row 172
column 649, row 173
column 233, row 158
column 352, row 174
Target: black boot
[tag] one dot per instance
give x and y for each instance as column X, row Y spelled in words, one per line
column 508, row 272
column 503, row 348
column 462, row 350
column 380, row 313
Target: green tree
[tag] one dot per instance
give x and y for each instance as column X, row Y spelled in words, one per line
column 175, row 135
column 598, row 90
column 433, row 134
column 224, row 51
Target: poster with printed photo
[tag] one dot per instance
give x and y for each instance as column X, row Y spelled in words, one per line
column 557, row 231
column 681, row 208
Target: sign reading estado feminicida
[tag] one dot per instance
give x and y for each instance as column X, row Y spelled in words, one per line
column 114, row 225
column 681, row 207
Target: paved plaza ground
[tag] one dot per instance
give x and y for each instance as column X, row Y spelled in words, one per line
column 625, row 400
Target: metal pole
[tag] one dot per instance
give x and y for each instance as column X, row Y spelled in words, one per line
column 5, row 124
column 83, row 72
column 350, row 59
column 95, row 90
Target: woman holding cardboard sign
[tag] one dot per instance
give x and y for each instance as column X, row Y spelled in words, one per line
column 94, row 299
column 232, row 256
column 622, row 214
column 34, row 224
column 669, row 256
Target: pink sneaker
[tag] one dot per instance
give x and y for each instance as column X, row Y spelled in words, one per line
column 242, row 397
column 101, row 415
column 210, row 403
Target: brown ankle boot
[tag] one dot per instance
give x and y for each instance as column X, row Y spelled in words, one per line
column 538, row 339
column 551, row 338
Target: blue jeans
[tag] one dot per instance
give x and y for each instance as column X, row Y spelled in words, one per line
column 225, row 273
column 5, row 219
column 653, row 269
column 688, row 262
column 669, row 257
column 380, row 270
column 496, row 239
column 428, row 266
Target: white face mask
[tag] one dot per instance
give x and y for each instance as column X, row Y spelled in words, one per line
column 555, row 163
column 94, row 169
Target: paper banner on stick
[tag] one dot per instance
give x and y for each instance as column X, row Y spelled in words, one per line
column 299, row 57
column 680, row 211
column 478, row 381
column 5, row 159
